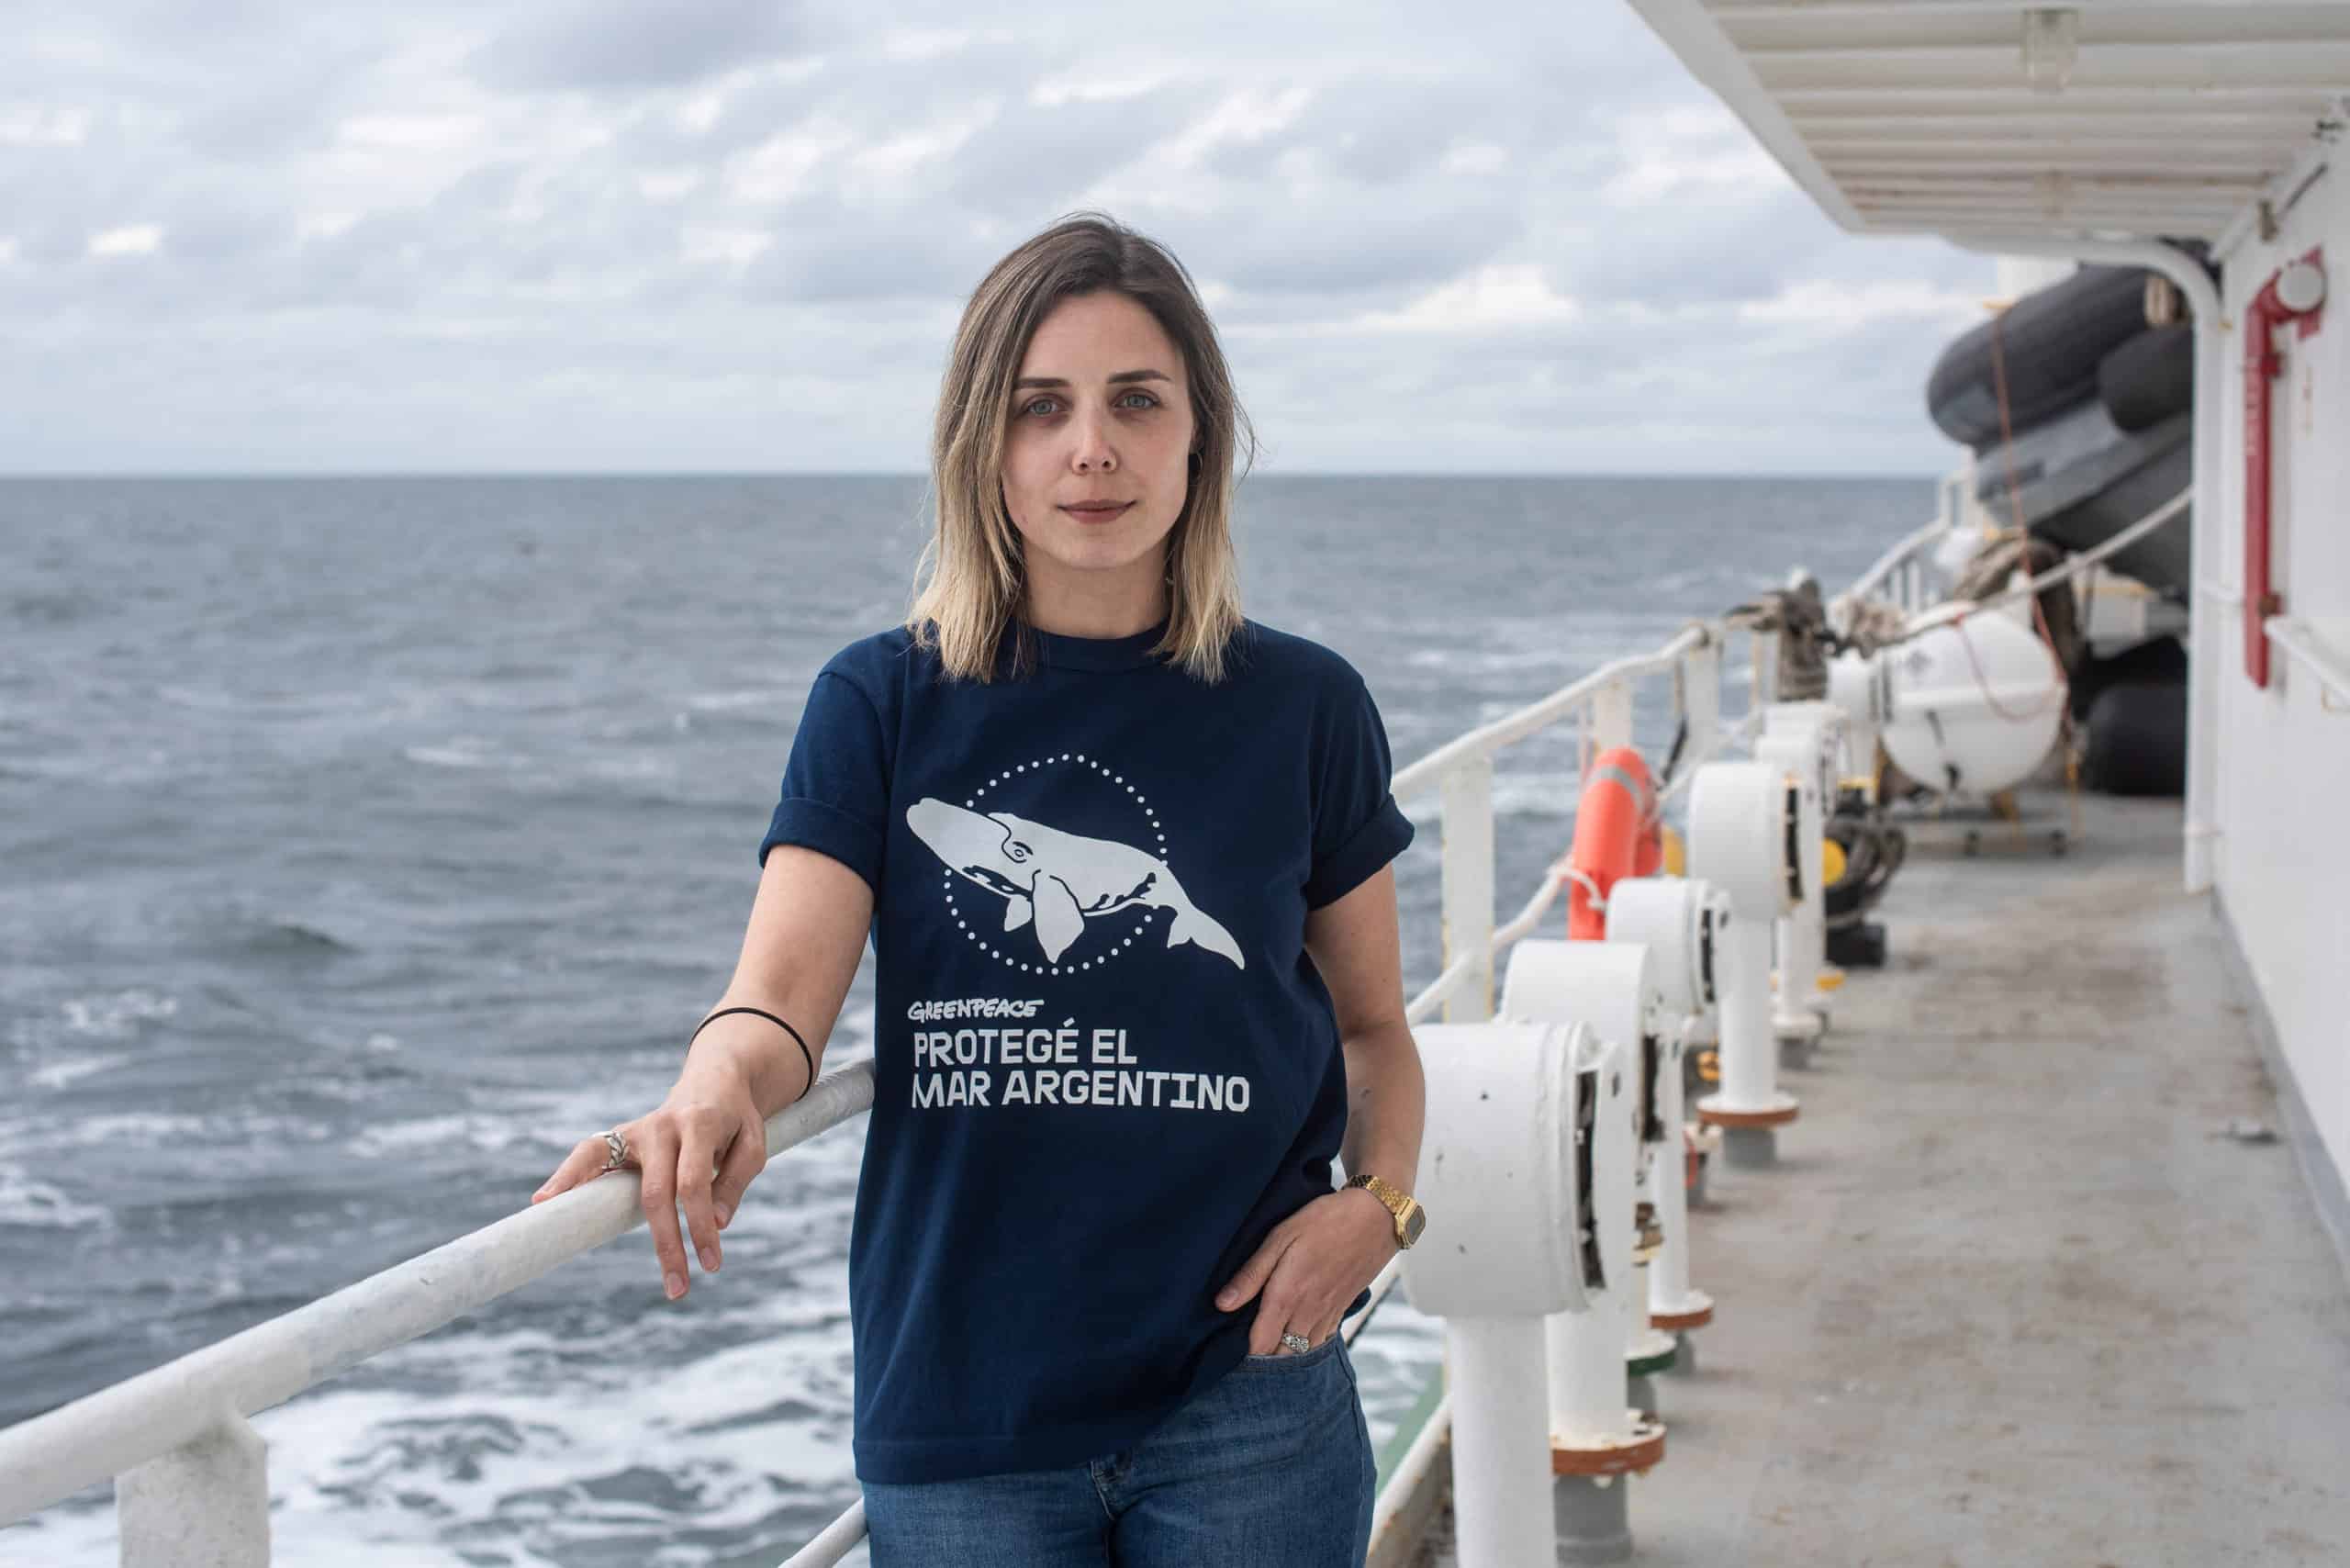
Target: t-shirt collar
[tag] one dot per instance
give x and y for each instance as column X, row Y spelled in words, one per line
column 1062, row 652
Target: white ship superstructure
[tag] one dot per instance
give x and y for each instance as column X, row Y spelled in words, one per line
column 2116, row 132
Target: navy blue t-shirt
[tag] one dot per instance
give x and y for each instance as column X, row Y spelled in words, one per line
column 1105, row 1065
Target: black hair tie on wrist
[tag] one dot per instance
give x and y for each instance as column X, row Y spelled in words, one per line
column 770, row 1018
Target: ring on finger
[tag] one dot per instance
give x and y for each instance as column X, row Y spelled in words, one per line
column 616, row 1150
column 1297, row 1344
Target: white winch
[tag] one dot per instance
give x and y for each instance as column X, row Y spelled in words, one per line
column 1744, row 823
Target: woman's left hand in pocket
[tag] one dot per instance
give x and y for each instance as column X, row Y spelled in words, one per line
column 1315, row 1263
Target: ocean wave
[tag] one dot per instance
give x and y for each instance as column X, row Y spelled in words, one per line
column 773, row 698
column 1515, row 795
column 43, row 1133
column 33, row 1204
column 481, row 1130
column 52, row 609
column 464, row 754
column 291, row 936
column 105, row 1015
column 713, row 1456
column 57, row 1074
column 292, row 704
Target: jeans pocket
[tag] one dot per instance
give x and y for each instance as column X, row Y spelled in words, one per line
column 1290, row 1360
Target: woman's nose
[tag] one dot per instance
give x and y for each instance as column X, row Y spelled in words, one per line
column 1092, row 454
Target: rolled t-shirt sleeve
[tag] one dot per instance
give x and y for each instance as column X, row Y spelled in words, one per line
column 1357, row 827
column 835, row 795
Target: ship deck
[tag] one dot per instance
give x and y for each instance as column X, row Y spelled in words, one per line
column 2014, row 1293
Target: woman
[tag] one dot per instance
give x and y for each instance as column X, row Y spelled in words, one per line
column 1126, row 860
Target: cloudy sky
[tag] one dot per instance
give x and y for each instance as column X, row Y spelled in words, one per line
column 677, row 235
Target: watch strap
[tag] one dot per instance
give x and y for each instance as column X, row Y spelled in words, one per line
column 1397, row 1202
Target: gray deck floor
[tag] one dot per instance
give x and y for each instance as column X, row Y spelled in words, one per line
column 2012, row 1297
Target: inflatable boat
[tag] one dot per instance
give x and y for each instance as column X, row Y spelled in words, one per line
column 2077, row 401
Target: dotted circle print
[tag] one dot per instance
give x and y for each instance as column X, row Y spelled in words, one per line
column 976, row 928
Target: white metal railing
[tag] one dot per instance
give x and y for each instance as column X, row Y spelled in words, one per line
column 2301, row 643
column 1921, row 622
column 192, row 1401
column 176, row 1437
column 1899, row 575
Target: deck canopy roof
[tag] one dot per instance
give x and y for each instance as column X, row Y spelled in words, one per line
column 1971, row 117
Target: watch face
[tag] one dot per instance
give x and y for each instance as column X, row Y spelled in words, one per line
column 1415, row 1222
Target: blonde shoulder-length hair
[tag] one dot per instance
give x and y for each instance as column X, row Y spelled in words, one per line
column 971, row 577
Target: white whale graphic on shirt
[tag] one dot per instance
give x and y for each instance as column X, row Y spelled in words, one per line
column 1058, row 881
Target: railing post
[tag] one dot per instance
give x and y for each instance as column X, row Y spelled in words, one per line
column 1701, row 698
column 1765, row 655
column 1468, row 868
column 204, row 1504
column 1611, row 715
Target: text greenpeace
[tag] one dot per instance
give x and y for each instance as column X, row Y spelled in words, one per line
column 1063, row 1066
column 972, row 1007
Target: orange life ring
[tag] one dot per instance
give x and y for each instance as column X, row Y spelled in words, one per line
column 1616, row 835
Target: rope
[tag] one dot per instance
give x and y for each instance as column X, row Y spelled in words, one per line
column 2038, row 612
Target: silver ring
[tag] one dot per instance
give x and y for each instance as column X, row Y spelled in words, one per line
column 1297, row 1343
column 616, row 1151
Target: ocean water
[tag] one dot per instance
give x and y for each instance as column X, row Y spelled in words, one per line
column 366, row 843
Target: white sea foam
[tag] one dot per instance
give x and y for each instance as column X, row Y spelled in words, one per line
column 483, row 1130
column 37, row 1205
column 57, row 1074
column 769, row 697
column 126, row 1129
column 444, row 756
column 116, row 1015
column 1528, row 794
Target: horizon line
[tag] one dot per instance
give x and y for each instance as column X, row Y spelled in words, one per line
column 269, row 475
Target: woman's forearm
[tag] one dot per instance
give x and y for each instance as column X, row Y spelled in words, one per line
column 1386, row 1105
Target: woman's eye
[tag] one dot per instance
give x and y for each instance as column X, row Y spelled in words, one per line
column 1036, row 404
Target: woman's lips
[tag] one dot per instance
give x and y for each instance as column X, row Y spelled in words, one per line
column 1097, row 514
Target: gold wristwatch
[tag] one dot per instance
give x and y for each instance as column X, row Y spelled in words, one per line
column 1410, row 1218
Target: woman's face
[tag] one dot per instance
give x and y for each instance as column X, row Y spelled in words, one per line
column 1101, row 412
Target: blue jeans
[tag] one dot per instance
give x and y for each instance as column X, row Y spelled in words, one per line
column 1269, row 1468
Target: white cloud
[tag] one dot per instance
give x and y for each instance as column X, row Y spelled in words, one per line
column 28, row 125
column 1689, row 152
column 1476, row 158
column 323, row 225
column 1490, row 243
column 1493, row 298
column 1089, row 87
column 667, row 185
column 1836, row 306
column 411, row 133
column 699, row 111
column 733, row 246
column 901, row 154
column 1250, row 114
column 782, row 166
column 133, row 240
column 925, row 43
